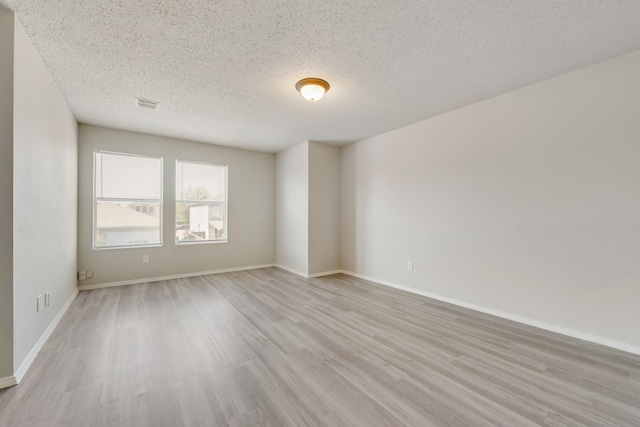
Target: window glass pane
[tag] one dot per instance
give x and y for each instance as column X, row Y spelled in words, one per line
column 125, row 176
column 127, row 224
column 200, row 222
column 200, row 202
column 200, row 181
column 127, row 200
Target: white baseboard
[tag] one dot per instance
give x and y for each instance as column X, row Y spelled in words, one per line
column 26, row 363
column 509, row 316
column 308, row 276
column 171, row 277
column 7, row 382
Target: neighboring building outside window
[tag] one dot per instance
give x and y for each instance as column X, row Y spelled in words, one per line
column 127, row 200
column 201, row 202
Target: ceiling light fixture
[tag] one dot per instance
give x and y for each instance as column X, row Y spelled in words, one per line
column 312, row 89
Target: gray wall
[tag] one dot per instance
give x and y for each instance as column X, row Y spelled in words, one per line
column 527, row 204
column 292, row 208
column 324, row 208
column 6, row 193
column 308, row 209
column 44, row 196
column 251, row 212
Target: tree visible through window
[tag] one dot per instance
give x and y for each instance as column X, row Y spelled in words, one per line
column 201, row 202
column 127, row 200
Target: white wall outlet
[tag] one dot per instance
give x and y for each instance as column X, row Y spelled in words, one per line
column 145, row 259
column 38, row 302
column 82, row 275
column 89, row 274
column 410, row 265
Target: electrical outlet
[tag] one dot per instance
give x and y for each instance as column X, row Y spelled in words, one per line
column 89, row 274
column 82, row 275
column 410, row 265
column 145, row 259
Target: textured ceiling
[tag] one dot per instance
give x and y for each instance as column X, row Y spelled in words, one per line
column 224, row 70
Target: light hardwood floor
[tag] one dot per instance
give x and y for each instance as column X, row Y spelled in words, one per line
column 265, row 347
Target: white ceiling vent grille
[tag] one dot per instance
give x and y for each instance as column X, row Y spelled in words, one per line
column 147, row 104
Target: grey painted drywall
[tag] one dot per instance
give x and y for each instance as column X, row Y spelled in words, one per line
column 292, row 208
column 44, row 196
column 324, row 208
column 251, row 211
column 308, row 208
column 527, row 204
column 6, row 193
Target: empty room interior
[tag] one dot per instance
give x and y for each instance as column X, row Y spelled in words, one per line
column 279, row 213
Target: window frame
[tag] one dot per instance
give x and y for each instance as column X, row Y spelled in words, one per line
column 159, row 202
column 224, row 204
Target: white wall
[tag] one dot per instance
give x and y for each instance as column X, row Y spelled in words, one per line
column 251, row 211
column 292, row 208
column 324, row 208
column 6, row 195
column 44, row 195
column 527, row 204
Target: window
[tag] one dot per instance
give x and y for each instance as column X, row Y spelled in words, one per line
column 201, row 202
column 127, row 200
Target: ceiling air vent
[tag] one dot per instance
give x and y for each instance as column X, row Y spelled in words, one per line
column 147, row 104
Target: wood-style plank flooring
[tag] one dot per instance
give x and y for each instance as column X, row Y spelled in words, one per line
column 267, row 348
